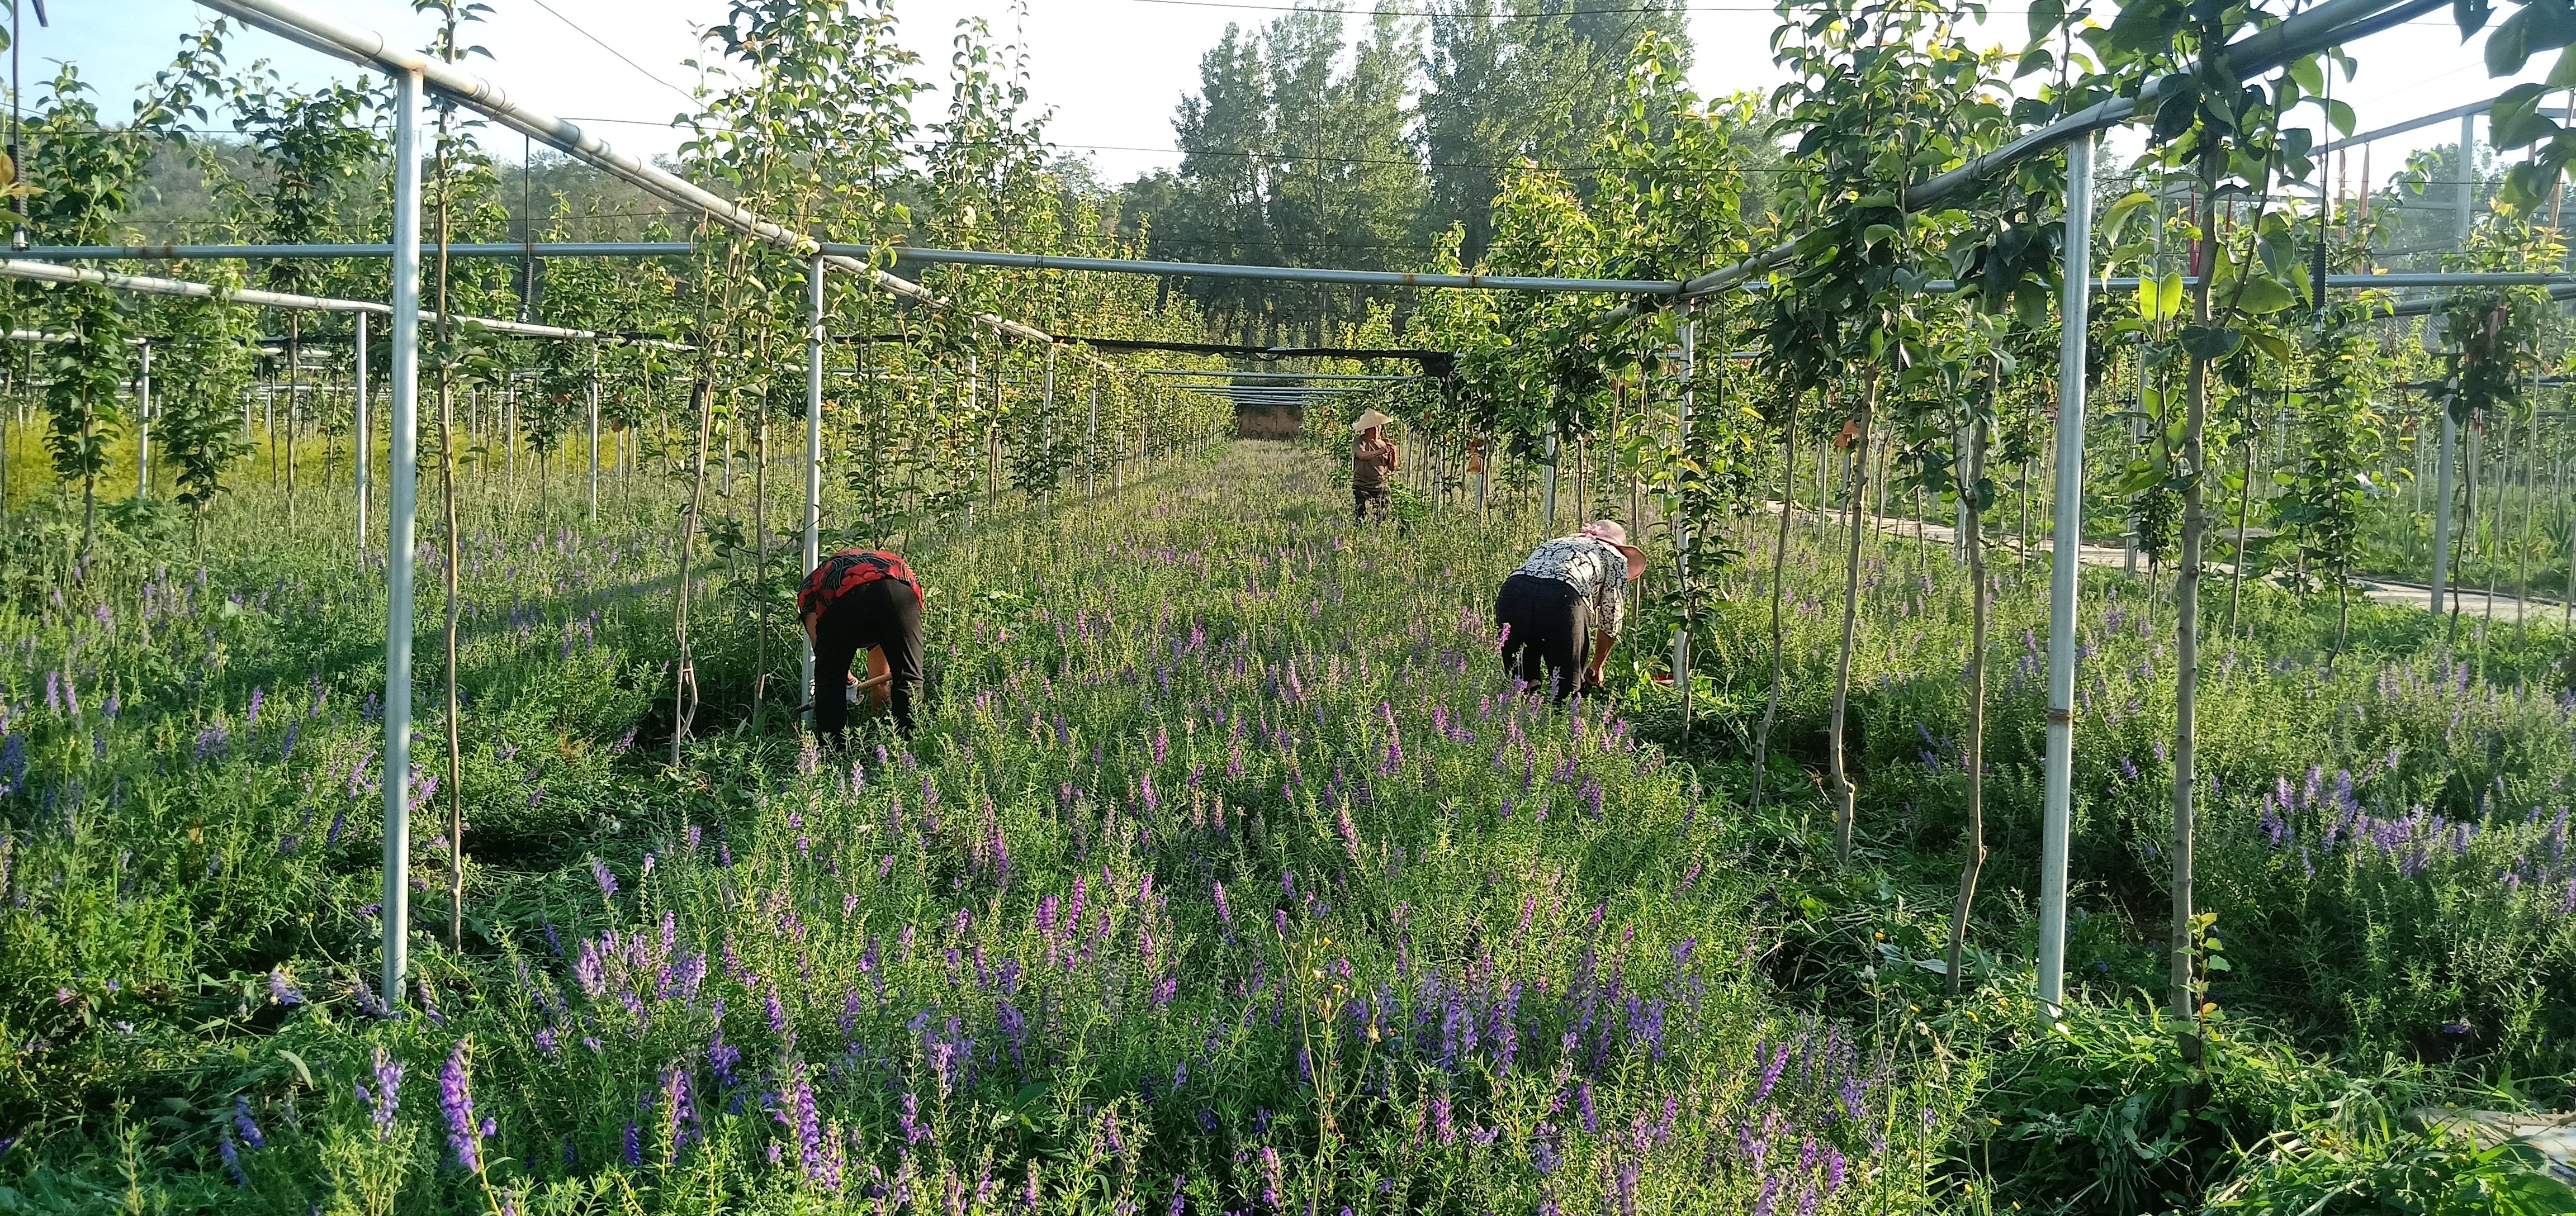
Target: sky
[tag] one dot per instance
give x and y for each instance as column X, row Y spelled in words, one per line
column 1113, row 70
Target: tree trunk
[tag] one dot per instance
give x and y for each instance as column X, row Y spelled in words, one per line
column 2244, row 505
column 760, row 554
column 1779, row 592
column 1972, row 506
column 294, row 381
column 2195, row 523
column 1837, row 771
column 447, row 495
column 684, row 684
column 89, row 481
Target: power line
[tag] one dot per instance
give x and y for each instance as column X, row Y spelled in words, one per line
column 621, row 55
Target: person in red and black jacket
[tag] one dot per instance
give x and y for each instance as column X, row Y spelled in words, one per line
column 857, row 600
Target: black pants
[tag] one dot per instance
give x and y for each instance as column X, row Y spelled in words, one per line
column 1363, row 502
column 885, row 614
column 1549, row 627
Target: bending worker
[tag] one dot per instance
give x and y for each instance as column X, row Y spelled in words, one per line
column 862, row 599
column 1561, row 611
column 1373, row 456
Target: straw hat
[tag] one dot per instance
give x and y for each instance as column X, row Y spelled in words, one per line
column 1609, row 530
column 1369, row 420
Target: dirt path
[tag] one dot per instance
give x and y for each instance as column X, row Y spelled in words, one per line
column 2470, row 601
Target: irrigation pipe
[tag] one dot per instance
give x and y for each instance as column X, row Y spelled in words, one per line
column 47, row 272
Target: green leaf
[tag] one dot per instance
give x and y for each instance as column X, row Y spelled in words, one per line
column 2262, row 295
column 2309, row 77
column 2030, row 306
column 2509, row 46
column 2514, row 120
column 2208, row 343
column 2471, row 15
column 2116, row 220
column 2045, row 17
column 2150, row 298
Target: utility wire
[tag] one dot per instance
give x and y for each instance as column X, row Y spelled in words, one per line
column 621, row 55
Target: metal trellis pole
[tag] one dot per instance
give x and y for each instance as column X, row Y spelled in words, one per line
column 2468, row 176
column 2065, row 559
column 2442, row 496
column 594, row 433
column 143, row 444
column 1551, row 478
column 1681, row 526
column 398, row 528
column 1046, row 428
column 365, row 437
column 813, row 450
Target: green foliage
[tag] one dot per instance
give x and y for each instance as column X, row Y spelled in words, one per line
column 2341, row 435
column 200, row 373
column 2436, row 1173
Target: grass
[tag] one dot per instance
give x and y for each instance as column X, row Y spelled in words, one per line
column 1224, row 876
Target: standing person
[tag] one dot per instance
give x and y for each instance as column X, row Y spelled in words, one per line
column 855, row 600
column 1373, row 456
column 1562, row 610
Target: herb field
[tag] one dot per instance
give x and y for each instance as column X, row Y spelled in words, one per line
column 408, row 804
column 1226, row 872
column 1229, row 869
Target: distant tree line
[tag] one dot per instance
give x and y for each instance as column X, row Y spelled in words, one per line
column 1309, row 144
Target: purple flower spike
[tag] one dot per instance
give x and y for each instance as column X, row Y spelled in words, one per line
column 387, row 1097
column 464, row 1134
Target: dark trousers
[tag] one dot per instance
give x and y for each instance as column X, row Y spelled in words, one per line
column 885, row 614
column 1548, row 628
column 1365, row 501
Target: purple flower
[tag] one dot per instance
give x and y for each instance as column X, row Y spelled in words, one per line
column 1224, row 911
column 282, row 991
column 823, row 1167
column 1544, row 1155
column 607, row 881
column 721, row 1058
column 1771, row 1071
column 463, row 1133
column 242, row 1123
column 387, row 1097
column 231, row 1156
column 677, row 1108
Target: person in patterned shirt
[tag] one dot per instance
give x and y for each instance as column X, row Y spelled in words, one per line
column 1373, row 456
column 862, row 600
column 1561, row 612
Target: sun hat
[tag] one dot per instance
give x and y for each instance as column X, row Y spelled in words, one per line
column 1369, row 419
column 1610, row 531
